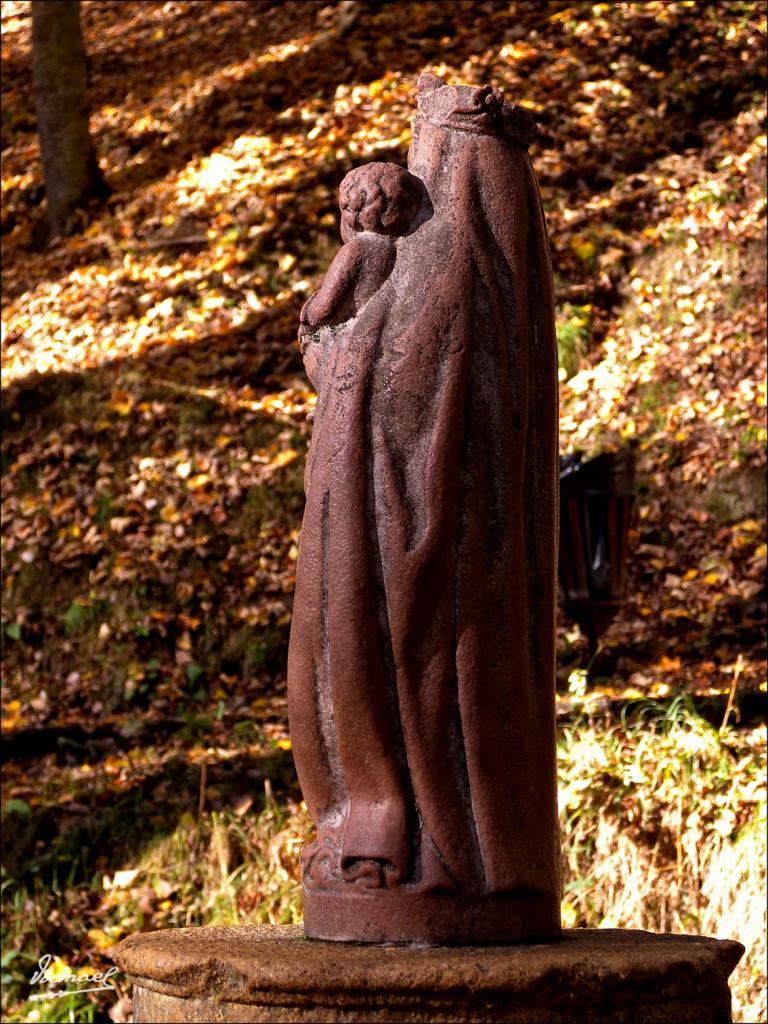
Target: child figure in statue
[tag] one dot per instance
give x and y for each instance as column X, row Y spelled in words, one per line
column 378, row 202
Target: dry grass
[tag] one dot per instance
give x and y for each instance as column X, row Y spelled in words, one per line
column 664, row 829
column 663, row 824
column 229, row 869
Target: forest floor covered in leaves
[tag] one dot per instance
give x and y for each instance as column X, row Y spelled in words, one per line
column 155, row 420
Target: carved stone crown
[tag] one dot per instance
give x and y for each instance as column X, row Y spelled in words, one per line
column 480, row 110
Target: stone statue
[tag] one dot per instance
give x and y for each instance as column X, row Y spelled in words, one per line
column 421, row 664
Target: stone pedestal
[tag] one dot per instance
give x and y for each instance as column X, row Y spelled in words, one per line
column 274, row 974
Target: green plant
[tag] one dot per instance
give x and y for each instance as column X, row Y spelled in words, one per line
column 572, row 325
column 73, row 618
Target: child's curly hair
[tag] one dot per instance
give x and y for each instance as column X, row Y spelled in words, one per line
column 379, row 197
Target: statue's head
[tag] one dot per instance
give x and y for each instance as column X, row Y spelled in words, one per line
column 480, row 110
column 379, row 197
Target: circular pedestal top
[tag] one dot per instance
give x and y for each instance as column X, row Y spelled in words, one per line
column 275, row 974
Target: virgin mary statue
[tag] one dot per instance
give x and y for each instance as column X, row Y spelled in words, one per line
column 421, row 664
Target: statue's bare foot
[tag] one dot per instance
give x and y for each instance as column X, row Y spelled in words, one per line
column 368, row 872
column 320, row 863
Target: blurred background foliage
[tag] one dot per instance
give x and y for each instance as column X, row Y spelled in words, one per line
column 156, row 419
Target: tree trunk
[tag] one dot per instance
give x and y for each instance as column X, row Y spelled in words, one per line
column 72, row 175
